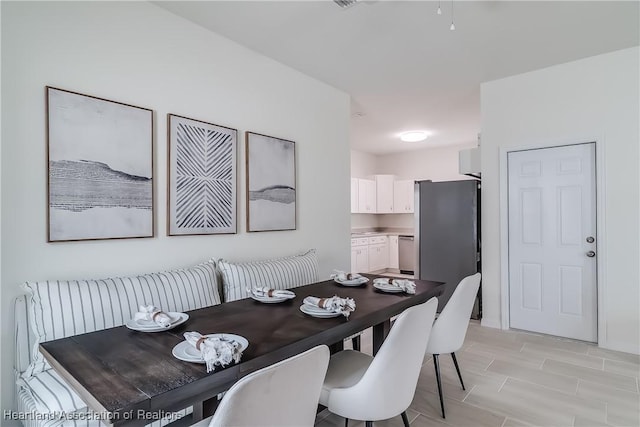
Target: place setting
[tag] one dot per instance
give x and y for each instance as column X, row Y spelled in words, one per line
column 348, row 279
column 268, row 295
column 150, row 318
column 328, row 307
column 220, row 349
column 387, row 284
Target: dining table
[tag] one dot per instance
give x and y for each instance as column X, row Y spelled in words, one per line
column 131, row 378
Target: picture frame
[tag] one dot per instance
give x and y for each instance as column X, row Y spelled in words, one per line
column 202, row 177
column 271, row 183
column 99, row 168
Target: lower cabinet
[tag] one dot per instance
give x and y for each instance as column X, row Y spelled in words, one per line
column 360, row 255
column 378, row 253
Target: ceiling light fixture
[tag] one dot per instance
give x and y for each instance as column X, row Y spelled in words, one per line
column 452, row 27
column 345, row 4
column 439, row 9
column 414, row 136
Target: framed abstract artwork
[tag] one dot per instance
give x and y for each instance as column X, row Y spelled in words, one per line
column 100, row 168
column 271, row 183
column 202, row 177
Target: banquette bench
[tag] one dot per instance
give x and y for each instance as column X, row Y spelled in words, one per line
column 56, row 309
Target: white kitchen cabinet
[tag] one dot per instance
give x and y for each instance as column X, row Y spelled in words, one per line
column 384, row 193
column 354, row 196
column 360, row 255
column 394, row 261
column 378, row 253
column 403, row 196
column 366, row 196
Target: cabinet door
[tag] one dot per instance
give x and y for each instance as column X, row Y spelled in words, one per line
column 384, row 193
column 378, row 256
column 354, row 259
column 362, row 260
column 393, row 252
column 403, row 196
column 354, row 196
column 366, row 196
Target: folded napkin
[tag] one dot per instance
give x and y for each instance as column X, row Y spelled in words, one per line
column 154, row 314
column 342, row 276
column 334, row 304
column 215, row 351
column 406, row 285
column 266, row 291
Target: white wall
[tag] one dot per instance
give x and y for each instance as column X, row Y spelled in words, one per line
column 595, row 98
column 137, row 53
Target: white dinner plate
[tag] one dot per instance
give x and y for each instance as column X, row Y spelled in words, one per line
column 271, row 300
column 353, row 282
column 188, row 353
column 386, row 287
column 150, row 326
column 314, row 311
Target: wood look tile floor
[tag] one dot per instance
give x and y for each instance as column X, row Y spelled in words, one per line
column 515, row 378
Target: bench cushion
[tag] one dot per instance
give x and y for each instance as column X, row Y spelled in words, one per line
column 280, row 273
column 59, row 309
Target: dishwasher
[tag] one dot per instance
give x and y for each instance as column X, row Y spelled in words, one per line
column 406, row 254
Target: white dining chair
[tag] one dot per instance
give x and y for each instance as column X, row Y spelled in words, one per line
column 283, row 394
column 358, row 386
column 451, row 326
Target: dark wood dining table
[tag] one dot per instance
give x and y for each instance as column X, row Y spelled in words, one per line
column 131, row 378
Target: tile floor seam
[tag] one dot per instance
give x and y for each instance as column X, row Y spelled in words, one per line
column 503, row 383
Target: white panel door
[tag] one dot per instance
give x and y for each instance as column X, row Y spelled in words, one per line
column 552, row 247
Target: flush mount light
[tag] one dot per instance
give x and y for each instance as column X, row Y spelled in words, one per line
column 414, row 136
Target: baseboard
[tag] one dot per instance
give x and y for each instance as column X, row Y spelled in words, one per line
column 622, row 347
column 490, row 323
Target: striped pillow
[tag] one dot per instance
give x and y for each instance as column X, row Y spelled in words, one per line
column 281, row 273
column 59, row 309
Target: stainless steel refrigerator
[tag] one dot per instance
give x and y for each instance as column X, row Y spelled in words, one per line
column 447, row 234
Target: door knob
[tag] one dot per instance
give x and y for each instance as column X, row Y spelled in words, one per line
column 590, row 239
column 591, row 254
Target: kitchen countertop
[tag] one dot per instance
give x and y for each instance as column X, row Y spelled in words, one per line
column 381, row 233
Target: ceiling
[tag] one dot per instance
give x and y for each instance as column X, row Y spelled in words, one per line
column 403, row 67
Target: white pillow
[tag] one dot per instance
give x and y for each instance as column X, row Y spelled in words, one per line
column 281, row 273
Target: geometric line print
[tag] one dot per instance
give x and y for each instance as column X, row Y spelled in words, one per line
column 204, row 177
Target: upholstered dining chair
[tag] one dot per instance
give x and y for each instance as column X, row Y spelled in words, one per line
column 283, row 394
column 450, row 328
column 362, row 387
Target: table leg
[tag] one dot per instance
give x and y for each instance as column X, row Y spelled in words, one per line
column 334, row 348
column 380, row 332
column 197, row 413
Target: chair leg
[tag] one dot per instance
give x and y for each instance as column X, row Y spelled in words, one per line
column 368, row 424
column 346, row 422
column 355, row 342
column 455, row 362
column 405, row 420
column 437, row 366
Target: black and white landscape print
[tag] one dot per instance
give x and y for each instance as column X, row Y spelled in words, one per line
column 100, row 168
column 202, row 178
column 271, row 183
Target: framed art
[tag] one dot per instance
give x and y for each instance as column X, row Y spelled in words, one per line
column 271, row 183
column 100, row 168
column 202, row 177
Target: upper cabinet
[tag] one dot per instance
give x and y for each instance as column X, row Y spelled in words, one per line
column 366, row 196
column 384, row 193
column 403, row 196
